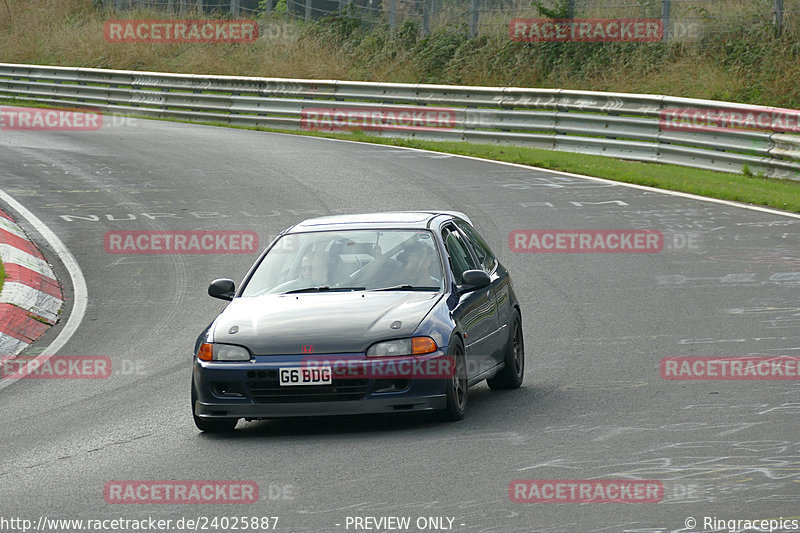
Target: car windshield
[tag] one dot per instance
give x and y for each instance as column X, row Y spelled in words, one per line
column 349, row 260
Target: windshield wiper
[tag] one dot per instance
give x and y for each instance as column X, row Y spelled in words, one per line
column 407, row 288
column 325, row 288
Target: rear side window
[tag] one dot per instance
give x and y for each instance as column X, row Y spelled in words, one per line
column 485, row 255
column 460, row 258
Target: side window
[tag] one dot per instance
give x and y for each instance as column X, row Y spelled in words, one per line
column 485, row 255
column 460, row 258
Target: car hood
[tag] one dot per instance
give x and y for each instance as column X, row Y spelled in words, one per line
column 332, row 322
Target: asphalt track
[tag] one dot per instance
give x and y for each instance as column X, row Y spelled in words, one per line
column 593, row 405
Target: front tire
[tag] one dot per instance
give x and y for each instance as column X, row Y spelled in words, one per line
column 457, row 391
column 512, row 374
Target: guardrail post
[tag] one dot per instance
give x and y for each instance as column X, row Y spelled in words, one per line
column 117, row 4
column 392, row 14
column 199, row 6
column 426, row 17
column 475, row 9
column 140, row 4
column 169, row 6
column 181, row 6
column 571, row 9
column 778, row 17
column 665, row 9
column 308, row 11
column 234, row 8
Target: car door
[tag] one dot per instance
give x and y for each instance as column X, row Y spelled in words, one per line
column 475, row 311
column 501, row 289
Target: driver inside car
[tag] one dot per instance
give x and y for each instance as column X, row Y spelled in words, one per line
column 313, row 273
column 419, row 261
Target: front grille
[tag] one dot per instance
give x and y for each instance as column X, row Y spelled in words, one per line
column 265, row 388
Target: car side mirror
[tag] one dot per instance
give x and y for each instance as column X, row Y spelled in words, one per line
column 472, row 280
column 224, row 289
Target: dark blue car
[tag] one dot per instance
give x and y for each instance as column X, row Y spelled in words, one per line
column 369, row 313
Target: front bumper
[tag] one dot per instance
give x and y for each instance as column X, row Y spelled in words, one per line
column 259, row 395
column 373, row 405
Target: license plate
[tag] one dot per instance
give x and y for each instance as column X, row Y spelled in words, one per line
column 297, row 375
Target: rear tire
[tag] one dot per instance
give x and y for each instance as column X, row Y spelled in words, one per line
column 457, row 391
column 212, row 425
column 512, row 374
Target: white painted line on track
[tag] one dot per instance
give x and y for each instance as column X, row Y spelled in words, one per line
column 81, row 293
column 570, row 174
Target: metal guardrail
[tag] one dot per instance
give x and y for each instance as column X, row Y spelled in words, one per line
column 627, row 126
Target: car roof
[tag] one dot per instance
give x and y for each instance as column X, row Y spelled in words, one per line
column 391, row 219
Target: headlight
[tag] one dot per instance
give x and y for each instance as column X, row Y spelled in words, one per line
column 222, row 352
column 413, row 346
